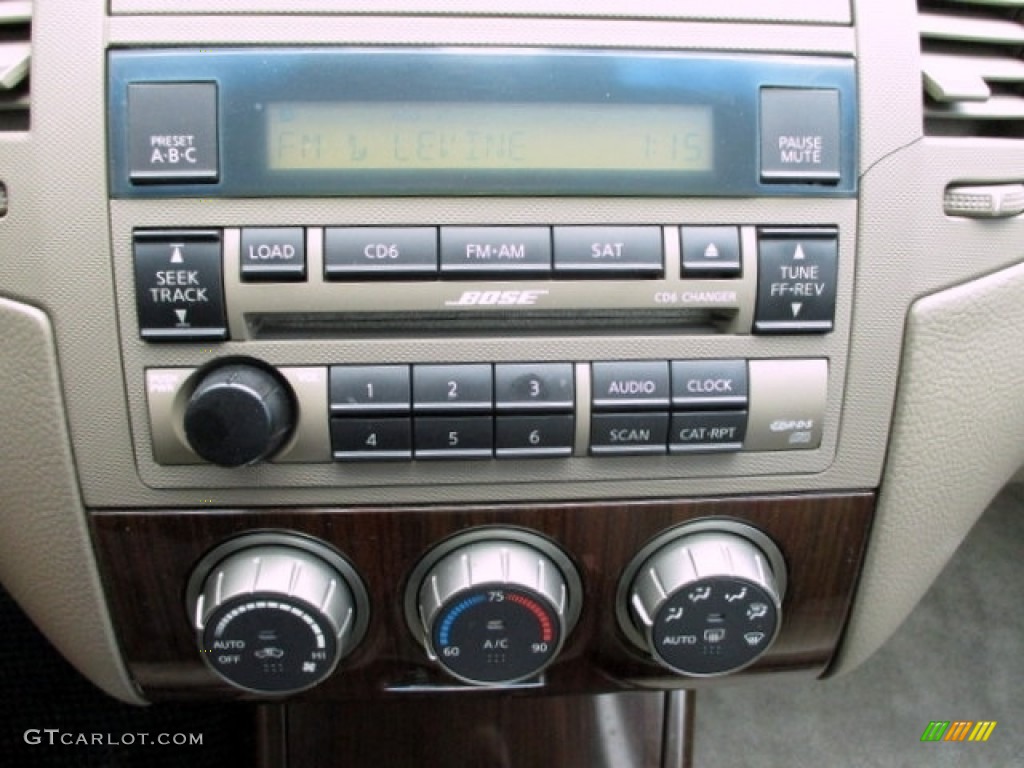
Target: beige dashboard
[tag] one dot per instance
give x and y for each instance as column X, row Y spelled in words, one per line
column 921, row 402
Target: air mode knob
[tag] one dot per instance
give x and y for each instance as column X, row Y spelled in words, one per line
column 274, row 613
column 239, row 414
column 494, row 607
column 704, row 599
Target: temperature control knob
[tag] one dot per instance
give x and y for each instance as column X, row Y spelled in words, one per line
column 239, row 414
column 705, row 599
column 494, row 607
column 274, row 613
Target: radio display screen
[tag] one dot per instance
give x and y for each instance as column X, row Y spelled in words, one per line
column 371, row 136
column 450, row 122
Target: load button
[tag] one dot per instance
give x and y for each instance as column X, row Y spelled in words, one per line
column 178, row 285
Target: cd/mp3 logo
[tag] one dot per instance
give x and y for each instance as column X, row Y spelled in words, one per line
column 958, row 730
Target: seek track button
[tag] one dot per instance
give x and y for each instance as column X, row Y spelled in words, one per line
column 178, row 285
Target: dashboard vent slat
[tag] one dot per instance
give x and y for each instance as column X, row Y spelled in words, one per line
column 15, row 58
column 972, row 67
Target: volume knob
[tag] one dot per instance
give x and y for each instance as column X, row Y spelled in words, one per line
column 239, row 414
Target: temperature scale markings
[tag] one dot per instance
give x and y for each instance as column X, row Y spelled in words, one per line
column 264, row 604
column 548, row 632
column 454, row 614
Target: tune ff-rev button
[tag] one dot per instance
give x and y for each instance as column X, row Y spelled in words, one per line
column 796, row 280
column 178, row 285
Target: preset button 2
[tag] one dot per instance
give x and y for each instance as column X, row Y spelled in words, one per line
column 452, row 387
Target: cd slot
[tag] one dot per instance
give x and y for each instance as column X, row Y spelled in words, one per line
column 361, row 325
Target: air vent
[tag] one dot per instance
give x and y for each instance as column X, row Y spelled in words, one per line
column 972, row 55
column 15, row 54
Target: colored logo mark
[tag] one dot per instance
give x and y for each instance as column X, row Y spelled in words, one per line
column 958, row 730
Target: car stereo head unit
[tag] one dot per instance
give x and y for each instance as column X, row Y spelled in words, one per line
column 432, row 255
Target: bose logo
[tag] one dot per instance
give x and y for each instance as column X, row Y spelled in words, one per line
column 497, row 298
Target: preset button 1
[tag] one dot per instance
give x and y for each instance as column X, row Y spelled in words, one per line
column 370, row 388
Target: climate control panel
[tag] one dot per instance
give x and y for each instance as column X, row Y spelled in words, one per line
column 274, row 612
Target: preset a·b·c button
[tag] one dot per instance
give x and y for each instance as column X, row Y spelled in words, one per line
column 178, row 285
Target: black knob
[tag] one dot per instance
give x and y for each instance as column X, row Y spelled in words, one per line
column 238, row 414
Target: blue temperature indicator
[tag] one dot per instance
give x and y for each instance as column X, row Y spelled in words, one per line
column 458, row 610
